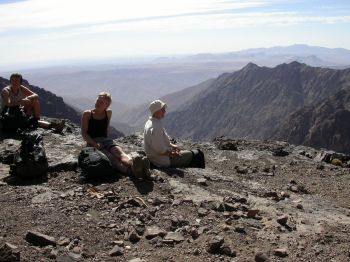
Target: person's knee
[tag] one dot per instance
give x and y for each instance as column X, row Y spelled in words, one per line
column 126, row 160
column 35, row 101
column 119, row 154
column 33, row 104
column 117, row 151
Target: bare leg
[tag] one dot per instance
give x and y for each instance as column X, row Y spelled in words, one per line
column 36, row 108
column 119, row 159
column 120, row 154
column 33, row 108
column 44, row 124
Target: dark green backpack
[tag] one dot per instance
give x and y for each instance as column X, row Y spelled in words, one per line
column 31, row 160
column 14, row 118
column 94, row 164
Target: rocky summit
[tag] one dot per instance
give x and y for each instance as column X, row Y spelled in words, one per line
column 254, row 201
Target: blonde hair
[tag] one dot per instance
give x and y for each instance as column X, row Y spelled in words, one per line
column 106, row 96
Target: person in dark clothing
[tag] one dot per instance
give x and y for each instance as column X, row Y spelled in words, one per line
column 94, row 129
column 18, row 95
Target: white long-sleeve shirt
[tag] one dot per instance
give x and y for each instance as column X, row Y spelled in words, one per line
column 156, row 142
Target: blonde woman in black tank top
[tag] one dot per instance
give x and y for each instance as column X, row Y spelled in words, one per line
column 94, row 129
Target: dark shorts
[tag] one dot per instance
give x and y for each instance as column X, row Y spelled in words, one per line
column 105, row 142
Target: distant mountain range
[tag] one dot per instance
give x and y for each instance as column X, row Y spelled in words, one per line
column 272, row 56
column 136, row 84
column 54, row 106
column 282, row 98
column 255, row 102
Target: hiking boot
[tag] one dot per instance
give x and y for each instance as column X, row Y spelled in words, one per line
column 146, row 167
column 137, row 165
column 58, row 126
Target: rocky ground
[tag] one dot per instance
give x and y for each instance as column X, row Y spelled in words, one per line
column 255, row 201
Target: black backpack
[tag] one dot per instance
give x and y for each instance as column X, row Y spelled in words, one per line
column 94, row 164
column 14, row 118
column 31, row 160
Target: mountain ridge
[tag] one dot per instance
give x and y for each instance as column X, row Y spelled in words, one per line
column 314, row 125
column 139, row 115
column 249, row 102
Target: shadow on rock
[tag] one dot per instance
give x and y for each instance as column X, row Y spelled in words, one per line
column 98, row 180
column 18, row 181
column 171, row 171
column 143, row 186
column 4, row 136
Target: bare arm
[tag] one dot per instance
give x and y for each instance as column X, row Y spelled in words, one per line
column 84, row 128
column 109, row 115
column 5, row 94
column 175, row 147
column 29, row 94
column 6, row 98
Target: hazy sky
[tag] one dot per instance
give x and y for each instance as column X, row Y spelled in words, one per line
column 38, row 31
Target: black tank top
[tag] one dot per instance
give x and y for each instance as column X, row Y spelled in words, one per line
column 97, row 127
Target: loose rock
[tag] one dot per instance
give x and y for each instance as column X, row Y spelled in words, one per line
column 39, row 239
column 202, row 181
column 116, row 251
column 214, row 244
column 239, row 229
column 174, row 236
column 228, row 145
column 154, row 231
column 136, row 260
column 202, row 212
column 281, row 252
column 9, row 253
column 63, row 241
column 133, row 236
column 282, row 220
column 226, row 250
column 261, row 257
column 242, row 170
column 252, row 213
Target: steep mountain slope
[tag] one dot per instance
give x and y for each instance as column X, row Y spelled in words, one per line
column 130, row 85
column 54, row 106
column 324, row 125
column 251, row 102
column 137, row 116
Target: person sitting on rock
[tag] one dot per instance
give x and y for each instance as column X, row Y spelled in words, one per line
column 94, row 129
column 159, row 150
column 17, row 95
